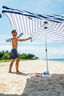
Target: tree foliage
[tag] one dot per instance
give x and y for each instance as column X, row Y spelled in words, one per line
column 5, row 55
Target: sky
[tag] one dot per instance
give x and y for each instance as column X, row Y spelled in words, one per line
column 37, row 47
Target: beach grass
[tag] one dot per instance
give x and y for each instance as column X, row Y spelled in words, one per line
column 10, row 60
column 5, row 60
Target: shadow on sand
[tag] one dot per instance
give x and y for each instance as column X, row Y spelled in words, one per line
column 2, row 94
column 39, row 86
column 23, row 74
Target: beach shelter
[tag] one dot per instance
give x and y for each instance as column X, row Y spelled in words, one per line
column 0, row 15
column 47, row 28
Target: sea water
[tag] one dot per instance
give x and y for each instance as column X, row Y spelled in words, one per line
column 60, row 60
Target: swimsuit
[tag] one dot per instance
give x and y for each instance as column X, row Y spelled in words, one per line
column 14, row 54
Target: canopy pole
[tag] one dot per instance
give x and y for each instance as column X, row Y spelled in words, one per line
column 47, row 69
column 45, row 27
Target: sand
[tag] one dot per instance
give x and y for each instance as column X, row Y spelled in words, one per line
column 27, row 84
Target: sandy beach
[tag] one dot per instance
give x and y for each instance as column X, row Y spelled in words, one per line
column 27, row 84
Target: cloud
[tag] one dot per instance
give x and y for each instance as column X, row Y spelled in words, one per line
column 5, row 47
column 56, row 52
column 39, row 51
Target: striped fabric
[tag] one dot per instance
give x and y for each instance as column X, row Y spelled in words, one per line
column 0, row 15
column 36, row 25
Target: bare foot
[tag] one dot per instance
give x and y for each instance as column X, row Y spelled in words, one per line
column 10, row 72
column 18, row 72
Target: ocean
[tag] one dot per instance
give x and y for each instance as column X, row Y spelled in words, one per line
column 60, row 60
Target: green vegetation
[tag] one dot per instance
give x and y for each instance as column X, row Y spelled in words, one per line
column 5, row 56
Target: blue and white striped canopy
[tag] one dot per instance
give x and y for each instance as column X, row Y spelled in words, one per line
column 36, row 25
column 0, row 15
